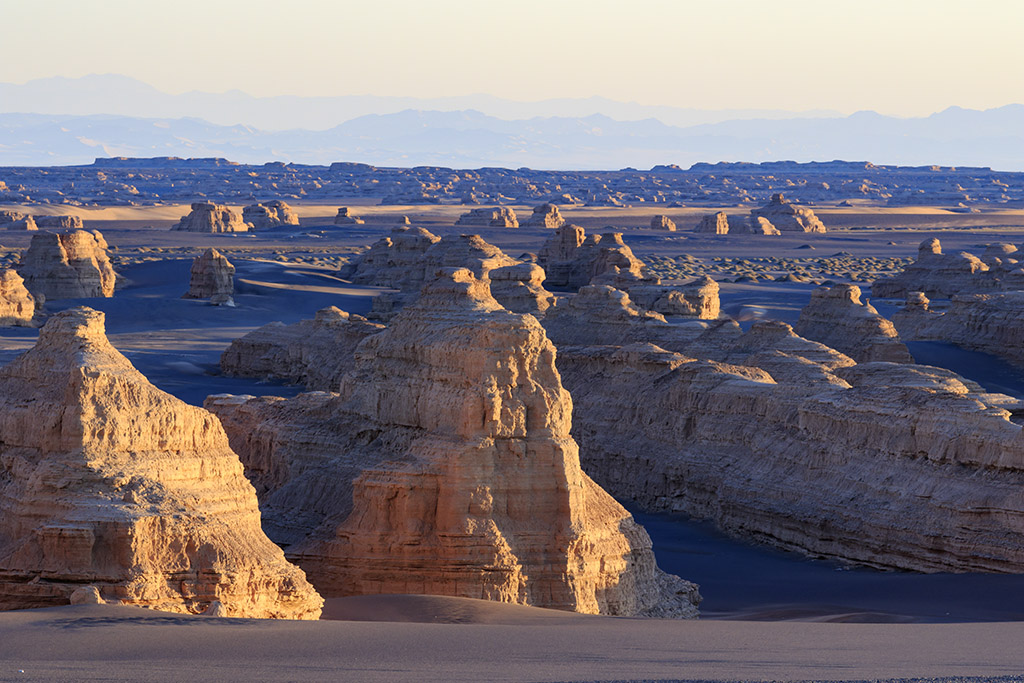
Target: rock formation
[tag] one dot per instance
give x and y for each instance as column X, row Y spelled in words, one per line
column 315, row 353
column 8, row 216
column 15, row 220
column 836, row 316
column 938, row 275
column 786, row 217
column 209, row 217
column 571, row 259
column 520, row 288
column 498, row 217
column 714, row 223
column 268, row 215
column 67, row 266
column 106, row 480
column 59, row 222
column 346, row 218
column 451, row 470
column 545, row 216
column 880, row 464
column 389, row 260
column 662, row 223
column 213, row 278
column 17, row 305
column 696, row 299
column 993, row 323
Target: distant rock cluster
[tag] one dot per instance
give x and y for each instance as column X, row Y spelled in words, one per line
column 774, row 218
column 69, row 265
column 209, row 217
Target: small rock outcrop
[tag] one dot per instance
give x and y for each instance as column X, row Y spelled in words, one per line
column 67, row 266
column 59, row 222
column 938, row 275
column 696, row 299
column 751, row 225
column 389, row 260
column 15, row 220
column 452, row 471
column 315, row 353
column 714, row 223
column 786, row 217
column 498, row 217
column 663, row 223
column 836, row 317
column 545, row 216
column 106, row 480
column 571, row 258
column 17, row 305
column 520, row 288
column 209, row 217
column 344, row 217
column 268, row 215
column 213, row 278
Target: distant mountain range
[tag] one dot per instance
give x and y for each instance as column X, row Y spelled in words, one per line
column 64, row 122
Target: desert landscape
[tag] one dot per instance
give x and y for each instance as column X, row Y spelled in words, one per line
column 524, row 342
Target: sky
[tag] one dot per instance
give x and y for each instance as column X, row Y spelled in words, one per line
column 898, row 57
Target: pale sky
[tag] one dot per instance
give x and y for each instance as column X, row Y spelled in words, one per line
column 901, row 57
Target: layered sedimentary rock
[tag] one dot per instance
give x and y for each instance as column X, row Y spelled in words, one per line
column 106, row 480
column 498, row 217
column 786, row 217
column 836, row 316
column 59, row 222
column 572, row 259
column 17, row 305
column 315, row 353
column 344, row 217
column 389, row 260
column 938, row 275
column 881, row 464
column 268, row 215
column 714, row 223
column 67, row 266
column 752, row 225
column 451, row 470
column 662, row 223
column 15, row 220
column 993, row 323
column 696, row 299
column 520, row 288
column 209, row 217
column 544, row 216
column 212, row 277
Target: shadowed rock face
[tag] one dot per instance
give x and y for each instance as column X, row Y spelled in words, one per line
column 940, row 275
column 67, row 266
column 212, row 277
column 520, row 288
column 209, row 217
column 881, row 464
column 269, row 215
column 714, row 223
column 836, row 316
column 17, row 305
column 106, row 480
column 452, row 470
column 344, row 217
column 663, row 223
column 59, row 222
column 315, row 353
column 571, row 259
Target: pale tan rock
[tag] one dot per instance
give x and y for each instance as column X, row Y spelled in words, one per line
column 213, row 278
column 270, row 214
column 572, row 260
column 344, row 217
column 836, row 316
column 389, row 261
column 106, row 480
column 87, row 595
column 545, row 216
column 210, row 217
column 17, row 221
column 498, row 217
column 67, row 266
column 914, row 472
column 938, row 275
column 696, row 299
column 453, row 434
column 17, row 306
column 714, row 223
column 520, row 288
column 752, row 225
column 8, row 216
column 315, row 353
column 662, row 222
column 65, row 222
column 786, row 217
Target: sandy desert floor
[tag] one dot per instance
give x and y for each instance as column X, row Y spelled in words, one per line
column 767, row 615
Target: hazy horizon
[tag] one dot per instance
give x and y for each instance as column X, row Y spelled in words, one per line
column 903, row 59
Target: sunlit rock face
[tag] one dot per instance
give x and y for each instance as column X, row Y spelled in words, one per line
column 106, row 480
column 17, row 305
column 269, row 215
column 445, row 466
column 940, row 275
column 210, row 217
column 499, row 217
column 212, row 277
column 786, row 217
column 545, row 216
column 68, row 265
column 836, row 316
